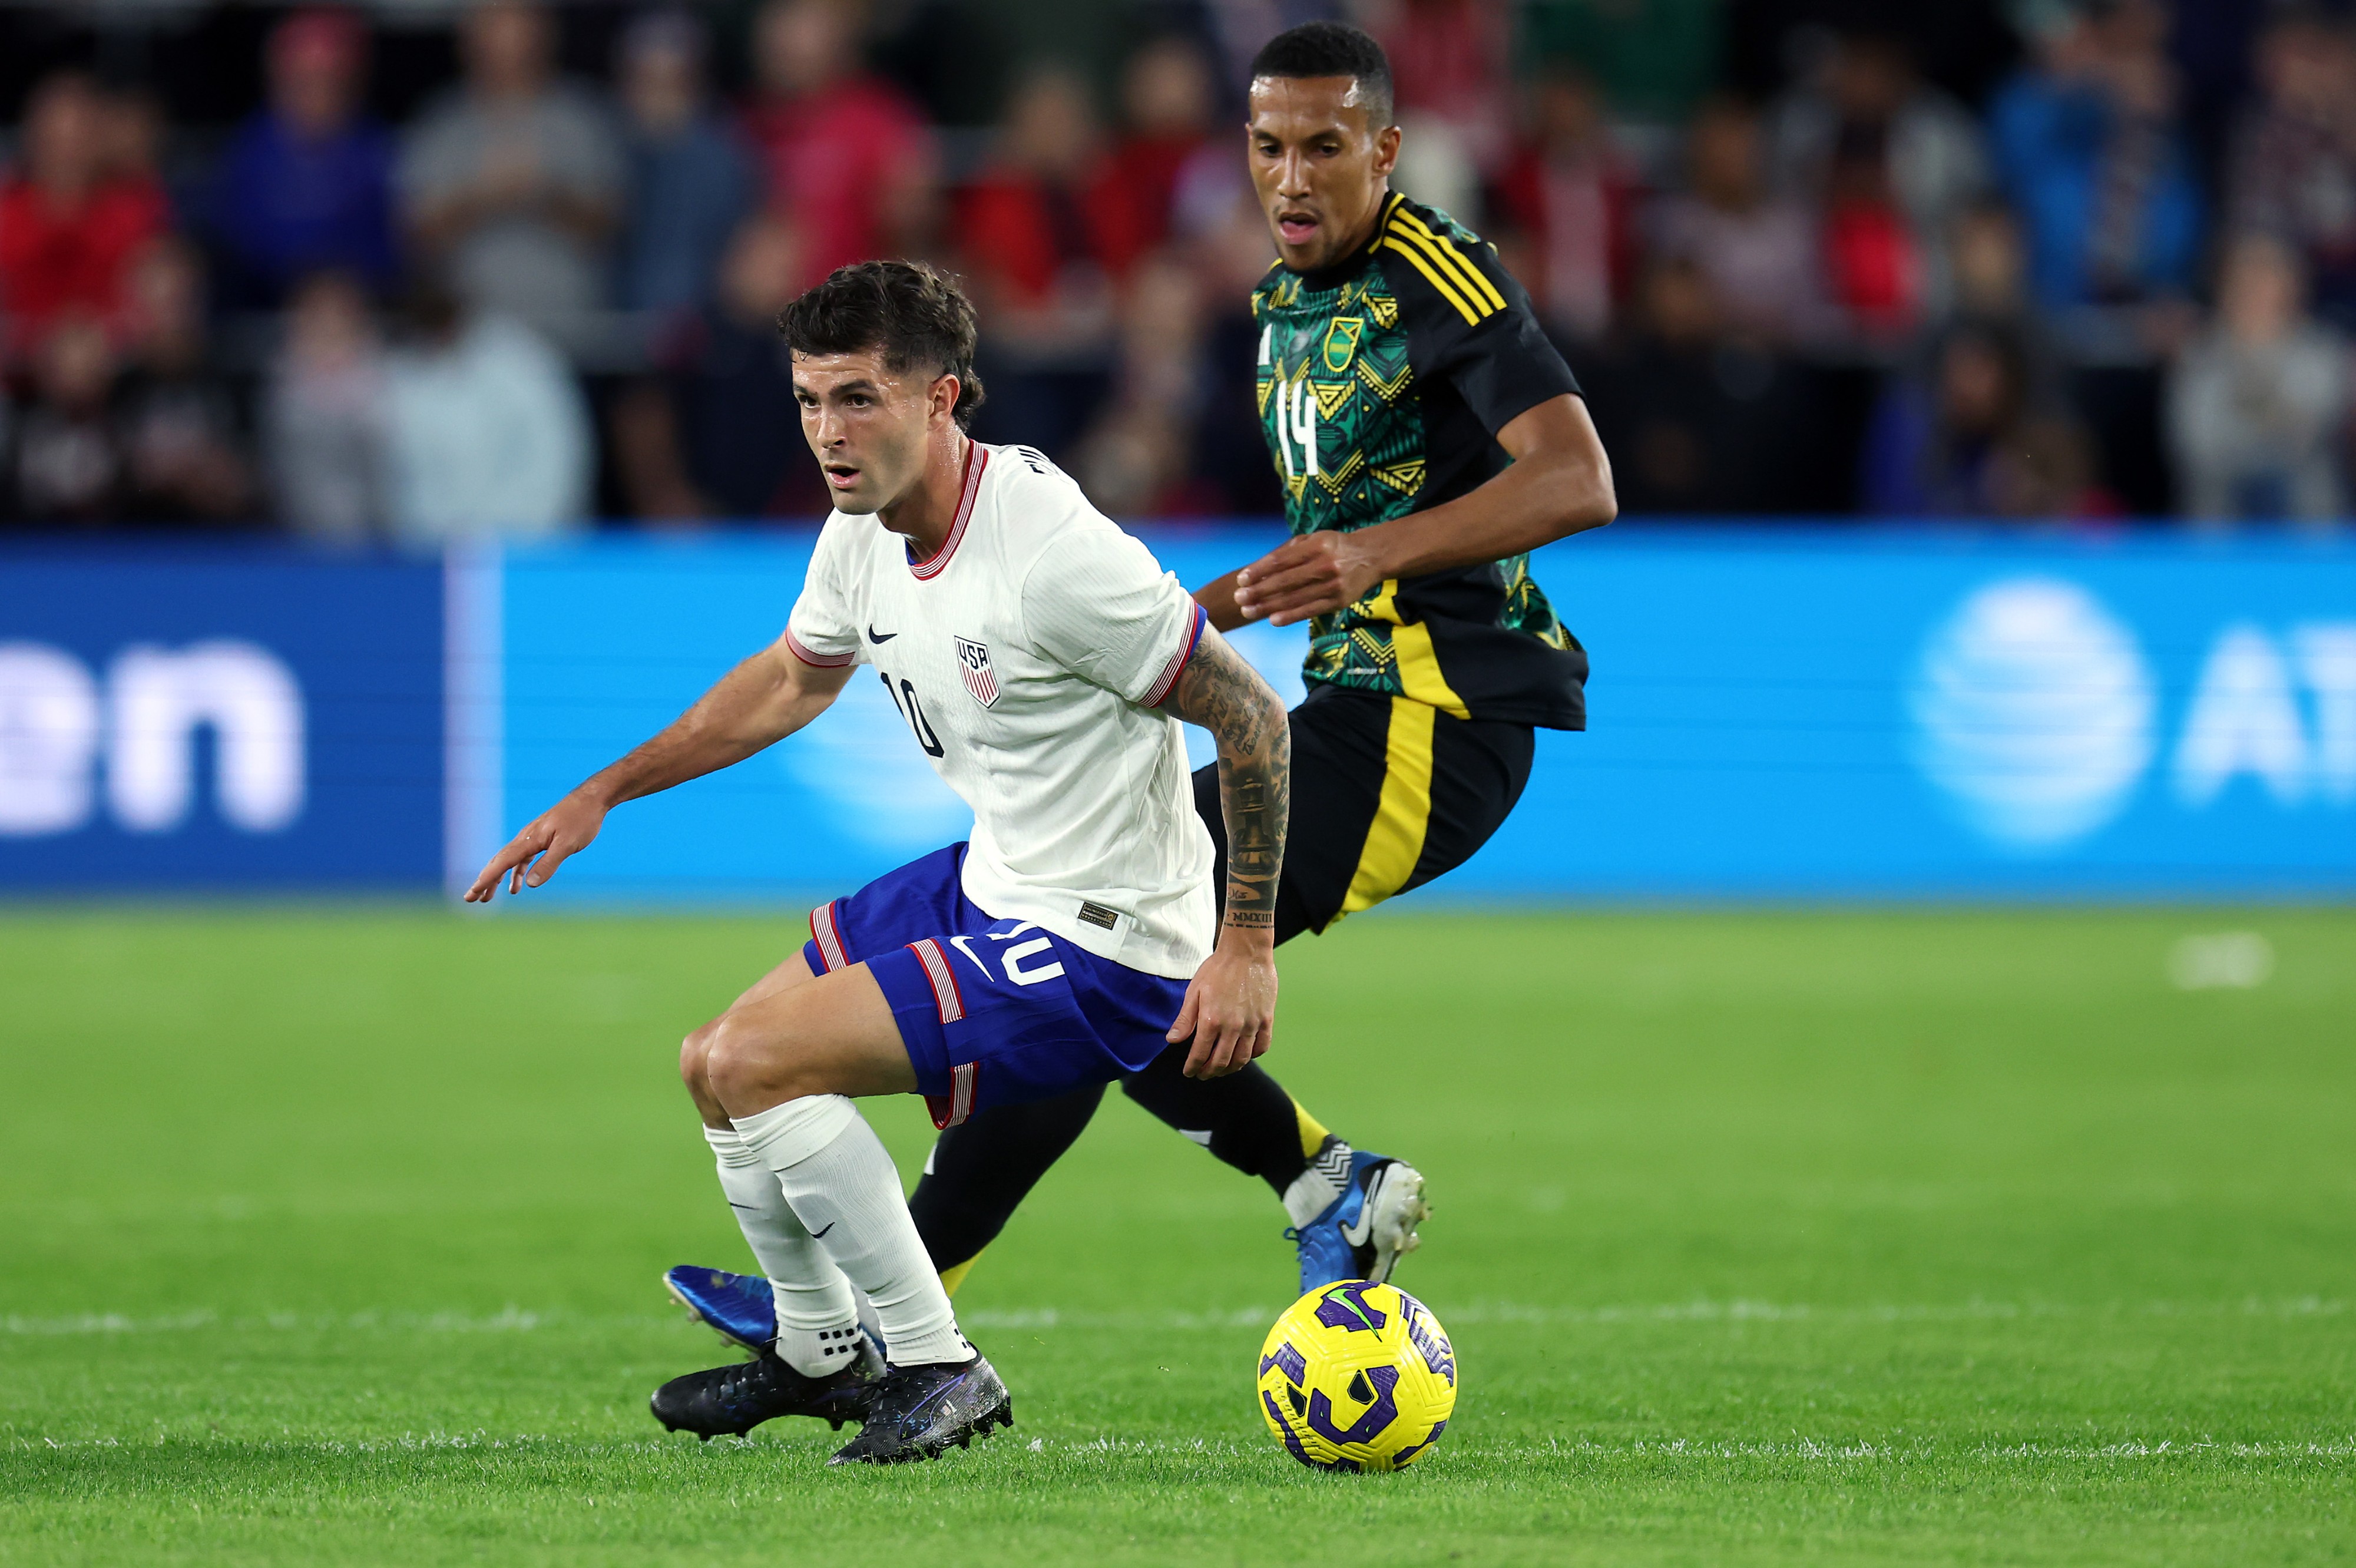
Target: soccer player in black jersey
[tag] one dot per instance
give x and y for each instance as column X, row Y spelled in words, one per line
column 1429, row 437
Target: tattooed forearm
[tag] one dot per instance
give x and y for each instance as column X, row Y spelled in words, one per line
column 1225, row 695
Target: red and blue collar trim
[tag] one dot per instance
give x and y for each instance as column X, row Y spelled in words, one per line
column 977, row 458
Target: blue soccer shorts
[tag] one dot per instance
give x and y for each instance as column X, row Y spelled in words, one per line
column 992, row 1012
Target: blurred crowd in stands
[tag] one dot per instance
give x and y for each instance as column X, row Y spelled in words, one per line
column 512, row 268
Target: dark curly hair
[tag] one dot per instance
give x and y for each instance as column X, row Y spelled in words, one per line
column 918, row 317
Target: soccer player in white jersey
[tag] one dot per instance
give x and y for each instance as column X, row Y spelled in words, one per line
column 1040, row 657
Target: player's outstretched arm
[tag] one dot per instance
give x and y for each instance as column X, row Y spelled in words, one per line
column 1559, row 484
column 757, row 705
column 1230, row 1008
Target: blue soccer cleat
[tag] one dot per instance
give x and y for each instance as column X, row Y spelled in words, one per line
column 1362, row 1233
column 739, row 1307
column 743, row 1310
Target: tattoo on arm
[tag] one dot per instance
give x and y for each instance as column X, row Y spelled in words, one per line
column 1225, row 695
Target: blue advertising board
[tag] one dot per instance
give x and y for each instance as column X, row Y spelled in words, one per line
column 604, row 644
column 185, row 719
column 1774, row 715
column 1938, row 716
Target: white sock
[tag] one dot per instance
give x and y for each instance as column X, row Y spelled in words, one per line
column 1314, row 1189
column 818, row 1327
column 845, row 1190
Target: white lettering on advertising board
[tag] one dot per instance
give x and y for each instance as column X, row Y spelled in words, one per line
column 60, row 729
column 2036, row 715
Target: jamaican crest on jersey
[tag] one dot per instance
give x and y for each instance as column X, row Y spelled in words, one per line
column 973, row 664
column 1343, row 420
column 1342, row 342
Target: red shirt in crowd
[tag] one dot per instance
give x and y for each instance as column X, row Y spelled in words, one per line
column 832, row 160
column 1022, row 231
column 1452, row 59
column 1871, row 265
column 54, row 260
column 1579, row 222
column 1147, row 169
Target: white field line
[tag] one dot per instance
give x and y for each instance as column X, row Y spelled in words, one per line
column 1833, row 1451
column 518, row 1320
column 1736, row 1311
column 510, row 1320
column 1913, row 1451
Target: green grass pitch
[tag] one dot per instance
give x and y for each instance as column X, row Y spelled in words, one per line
column 332, row 1236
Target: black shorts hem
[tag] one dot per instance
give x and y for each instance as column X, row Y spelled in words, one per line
column 1340, row 764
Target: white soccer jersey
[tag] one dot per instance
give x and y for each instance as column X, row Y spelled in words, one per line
column 1026, row 657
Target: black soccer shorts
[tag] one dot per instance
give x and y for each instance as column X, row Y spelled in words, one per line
column 1386, row 794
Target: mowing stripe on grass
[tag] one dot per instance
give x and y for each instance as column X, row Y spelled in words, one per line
column 516, row 1320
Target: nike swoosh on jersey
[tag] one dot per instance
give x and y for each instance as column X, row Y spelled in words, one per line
column 831, row 1223
column 875, row 636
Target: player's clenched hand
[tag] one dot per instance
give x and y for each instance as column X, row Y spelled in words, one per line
column 1230, row 1008
column 1314, row 574
column 561, row 830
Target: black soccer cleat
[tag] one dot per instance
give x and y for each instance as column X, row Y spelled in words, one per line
column 916, row 1411
column 727, row 1402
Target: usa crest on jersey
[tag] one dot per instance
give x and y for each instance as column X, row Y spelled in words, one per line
column 973, row 664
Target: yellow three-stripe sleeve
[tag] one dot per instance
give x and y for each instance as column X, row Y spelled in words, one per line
column 1447, row 291
column 1476, row 286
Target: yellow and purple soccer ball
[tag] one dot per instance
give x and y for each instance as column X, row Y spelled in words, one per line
column 1357, row 1377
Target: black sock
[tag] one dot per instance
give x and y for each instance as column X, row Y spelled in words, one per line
column 1252, row 1122
column 981, row 1169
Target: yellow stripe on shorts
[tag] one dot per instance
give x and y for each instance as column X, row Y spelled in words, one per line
column 1420, row 674
column 1418, row 663
column 1394, row 840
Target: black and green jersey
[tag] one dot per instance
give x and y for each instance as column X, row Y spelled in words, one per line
column 1382, row 382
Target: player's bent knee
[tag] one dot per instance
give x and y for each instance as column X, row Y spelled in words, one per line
column 749, row 1069
column 695, row 1057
